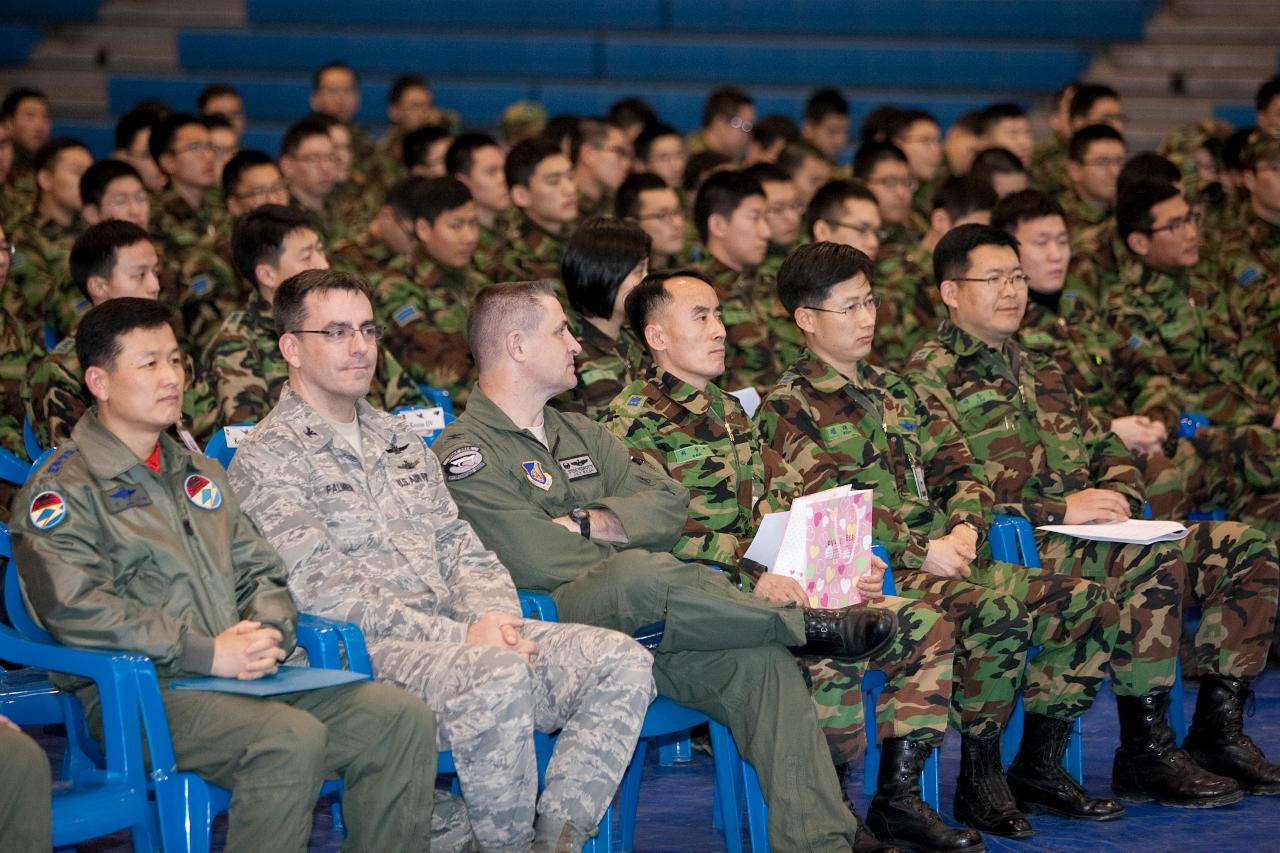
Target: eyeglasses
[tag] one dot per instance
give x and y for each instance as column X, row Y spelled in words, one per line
column 313, row 159
column 860, row 227
column 342, row 334
column 896, row 183
column 1105, row 162
column 779, row 209
column 259, row 192
column 871, row 303
column 675, row 214
column 739, row 124
column 619, row 151
column 1192, row 219
column 998, row 279
column 195, row 148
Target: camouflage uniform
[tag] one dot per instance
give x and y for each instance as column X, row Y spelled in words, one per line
column 416, row 594
column 875, row 433
column 1250, row 260
column 1048, row 171
column 363, row 255
column 18, row 353
column 1096, row 274
column 723, row 651
column 245, row 371
column 1040, row 442
column 604, row 367
column 201, row 281
column 589, row 207
column 329, row 223
column 40, row 276
column 423, row 305
column 1087, row 226
column 352, row 206
column 705, row 441
column 492, row 247
column 55, row 396
column 910, row 306
column 751, row 354
column 532, row 253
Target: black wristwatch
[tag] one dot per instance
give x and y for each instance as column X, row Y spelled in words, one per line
column 583, row 517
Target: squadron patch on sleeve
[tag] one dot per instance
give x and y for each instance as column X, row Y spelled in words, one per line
column 202, row 492
column 47, row 510
column 462, row 462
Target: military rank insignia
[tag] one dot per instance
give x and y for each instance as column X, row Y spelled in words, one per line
column 202, row 492
column 536, row 474
column 47, row 510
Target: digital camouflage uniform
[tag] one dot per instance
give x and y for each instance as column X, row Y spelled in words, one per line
column 376, row 540
column 40, row 286
column 1040, row 442
column 1048, row 170
column 530, row 253
column 705, row 441
column 161, row 563
column 1184, row 355
column 245, row 371
column 910, row 307
column 723, row 651
column 604, row 367
column 751, row 353
column 875, row 433
column 423, row 305
column 56, row 398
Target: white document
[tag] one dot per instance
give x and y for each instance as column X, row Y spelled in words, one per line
column 1135, row 531
column 749, row 398
column 424, row 421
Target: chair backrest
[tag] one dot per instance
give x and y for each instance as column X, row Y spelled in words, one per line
column 15, row 606
column 1190, row 423
column 438, row 397
column 29, row 441
column 223, row 443
column 13, row 468
column 1014, row 541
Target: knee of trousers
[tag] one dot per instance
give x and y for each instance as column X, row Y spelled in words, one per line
column 292, row 740
column 498, row 692
column 997, row 617
column 402, row 713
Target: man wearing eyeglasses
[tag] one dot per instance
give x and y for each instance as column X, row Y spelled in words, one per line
column 675, row 416
column 243, row 365
column 602, row 156
column 310, row 168
column 187, row 209
column 728, row 116
column 1049, row 459
column 783, row 211
column 1095, row 156
column 886, row 171
column 358, row 509
column 841, row 421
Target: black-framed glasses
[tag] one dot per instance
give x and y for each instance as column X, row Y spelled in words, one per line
column 1179, row 224
column 871, row 303
column 738, row 123
column 342, row 334
column 663, row 215
column 862, row 228
column 996, row 279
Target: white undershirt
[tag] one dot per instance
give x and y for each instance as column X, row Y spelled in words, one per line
column 540, row 433
column 348, row 432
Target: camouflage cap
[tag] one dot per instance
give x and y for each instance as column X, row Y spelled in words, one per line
column 522, row 120
column 1260, row 146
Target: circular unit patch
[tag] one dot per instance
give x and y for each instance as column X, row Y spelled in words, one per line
column 47, row 510
column 202, row 492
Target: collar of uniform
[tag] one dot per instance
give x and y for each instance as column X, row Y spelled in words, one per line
column 1158, row 281
column 586, row 332
column 258, row 309
column 481, row 408
column 533, row 234
column 822, row 376
column 680, row 392
column 724, row 279
column 108, row 457
column 316, row 432
column 958, row 340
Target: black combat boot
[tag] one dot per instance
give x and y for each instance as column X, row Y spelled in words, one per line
column 983, row 799
column 1039, row 782
column 897, row 812
column 1148, row 766
column 1217, row 741
column 851, row 633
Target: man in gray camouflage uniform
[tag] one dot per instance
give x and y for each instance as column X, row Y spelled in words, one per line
column 357, row 507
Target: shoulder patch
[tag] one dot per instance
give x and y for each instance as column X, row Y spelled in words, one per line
column 201, row 285
column 1135, row 342
column 634, row 401
column 462, row 462
column 48, row 509
column 406, row 314
column 1248, row 275
column 536, row 474
column 202, row 492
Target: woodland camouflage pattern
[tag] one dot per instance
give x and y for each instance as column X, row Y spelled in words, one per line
column 603, row 367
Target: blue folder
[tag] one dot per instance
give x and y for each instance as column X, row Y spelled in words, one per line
column 289, row 679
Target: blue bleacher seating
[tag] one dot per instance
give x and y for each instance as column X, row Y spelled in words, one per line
column 547, row 14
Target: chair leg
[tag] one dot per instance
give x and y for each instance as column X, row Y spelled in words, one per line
column 728, row 767
column 676, row 752
column 872, row 683
column 1177, row 709
column 629, row 800
column 1073, row 761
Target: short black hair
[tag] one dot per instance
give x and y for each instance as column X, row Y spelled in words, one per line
column 1088, row 94
column 970, row 121
column 871, row 154
column 417, row 143
column 951, row 255
column 165, row 130
column 650, row 134
column 995, row 161
column 259, row 235
column 1133, row 206
column 241, row 162
column 96, row 179
column 288, row 306
column 400, row 195
column 214, row 90
column 1078, row 147
column 131, row 124
column 767, row 173
column 598, row 257
column 101, row 328
column 725, row 102
column 773, row 127
column 434, row 197
column 1233, row 148
column 828, row 202
column 525, row 158
column 626, row 202
column 300, row 131
column 793, row 157
column 403, row 84
column 651, row 294
column 825, row 102
column 962, row 195
column 14, row 98
column 94, row 251
column 562, row 127
column 722, row 193
column 46, row 156
column 460, row 158
column 992, row 115
column 1022, row 206
column 216, row 120
column 897, row 125
column 875, row 124
column 629, row 112
column 592, row 132
column 808, row 274
column 1266, row 93
column 1148, row 167
column 332, row 65
column 702, row 163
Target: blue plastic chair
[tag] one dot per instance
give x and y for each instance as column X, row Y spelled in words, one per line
column 1014, row 541
column 664, row 720
column 438, row 397
column 51, row 340
column 29, row 441
column 1188, row 425
column 873, row 683
column 27, row 696
column 222, row 444
column 13, row 468
column 430, row 436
